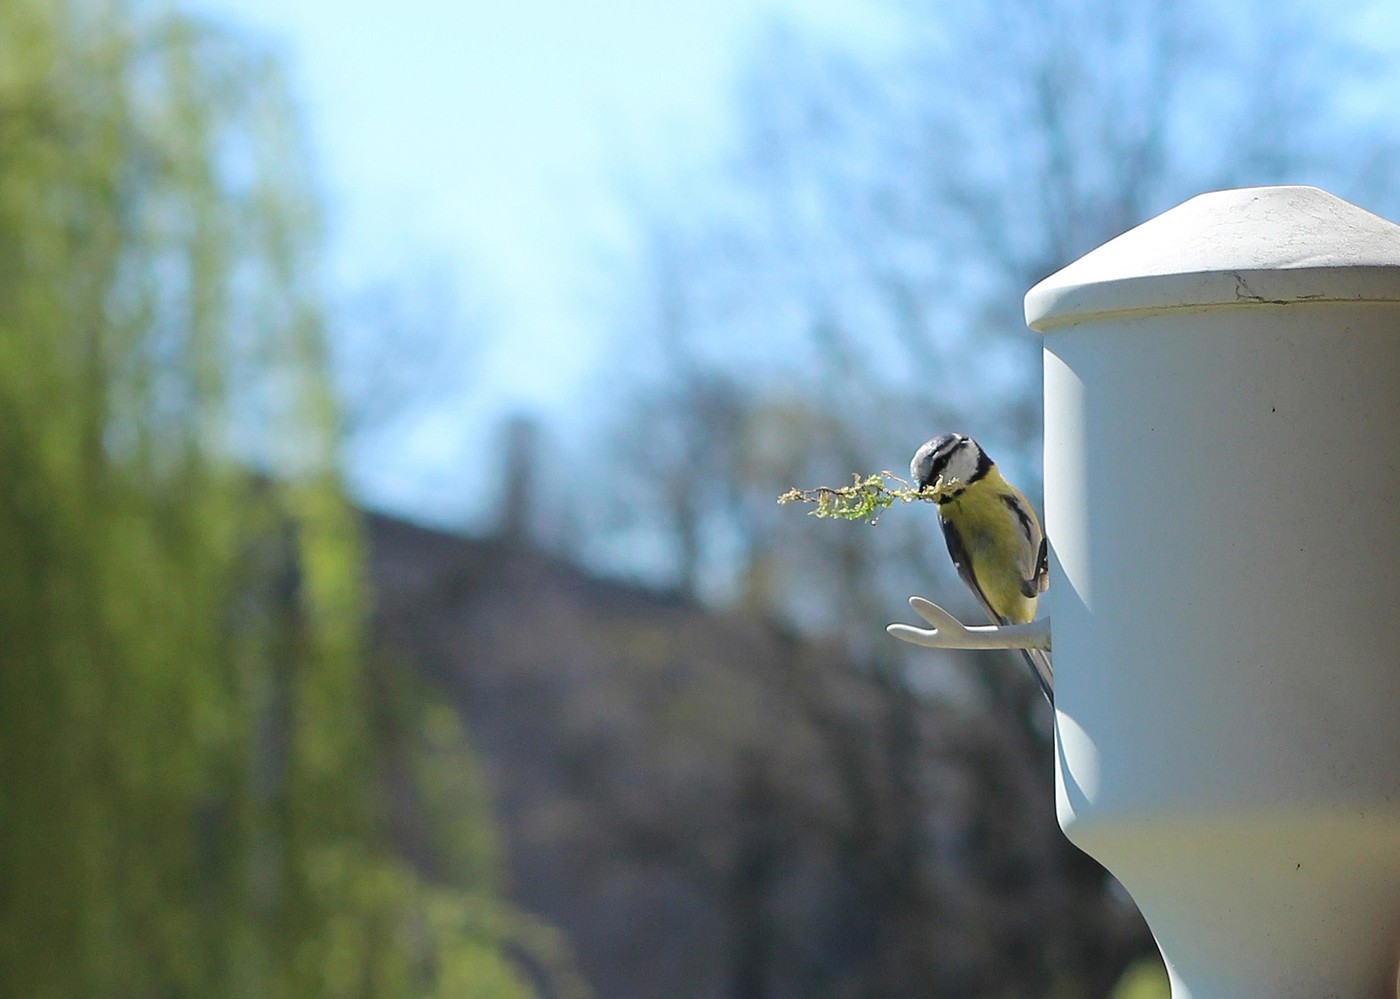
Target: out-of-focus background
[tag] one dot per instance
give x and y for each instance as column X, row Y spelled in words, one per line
column 393, row 401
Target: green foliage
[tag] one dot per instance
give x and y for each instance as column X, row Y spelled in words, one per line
column 188, row 766
column 864, row 499
column 1145, row 979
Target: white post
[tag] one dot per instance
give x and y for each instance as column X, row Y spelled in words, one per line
column 1222, row 499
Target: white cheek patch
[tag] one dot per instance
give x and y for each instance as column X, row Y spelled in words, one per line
column 962, row 465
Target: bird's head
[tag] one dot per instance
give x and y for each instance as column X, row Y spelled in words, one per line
column 948, row 464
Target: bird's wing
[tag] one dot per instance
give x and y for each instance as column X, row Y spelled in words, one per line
column 958, row 551
column 1033, row 555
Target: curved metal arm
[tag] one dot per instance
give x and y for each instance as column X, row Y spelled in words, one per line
column 950, row 633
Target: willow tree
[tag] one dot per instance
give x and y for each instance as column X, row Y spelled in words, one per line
column 190, row 766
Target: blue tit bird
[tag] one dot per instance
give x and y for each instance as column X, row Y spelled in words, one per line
column 992, row 534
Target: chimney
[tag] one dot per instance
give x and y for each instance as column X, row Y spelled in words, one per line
column 519, row 442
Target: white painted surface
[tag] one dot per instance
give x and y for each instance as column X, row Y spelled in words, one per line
column 1253, row 245
column 1222, row 493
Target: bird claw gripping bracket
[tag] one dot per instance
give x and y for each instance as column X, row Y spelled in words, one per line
column 950, row 633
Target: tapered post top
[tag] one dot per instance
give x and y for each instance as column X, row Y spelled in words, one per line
column 1256, row 245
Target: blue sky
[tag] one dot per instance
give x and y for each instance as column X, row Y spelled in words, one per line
column 485, row 141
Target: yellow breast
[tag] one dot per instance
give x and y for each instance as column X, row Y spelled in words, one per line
column 996, row 548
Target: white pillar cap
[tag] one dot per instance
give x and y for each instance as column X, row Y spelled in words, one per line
column 1252, row 245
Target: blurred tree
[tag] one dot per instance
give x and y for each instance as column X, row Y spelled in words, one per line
column 191, row 775
column 853, row 285
column 866, row 251
column 1147, row 979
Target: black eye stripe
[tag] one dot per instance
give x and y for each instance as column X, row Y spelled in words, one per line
column 943, row 453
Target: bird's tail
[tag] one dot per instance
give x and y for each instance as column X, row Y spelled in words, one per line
column 1039, row 662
